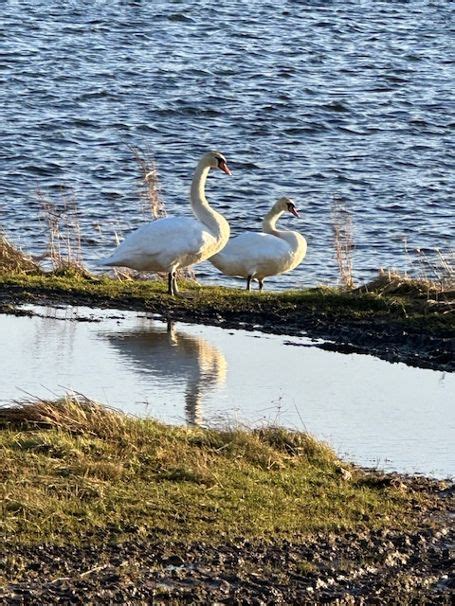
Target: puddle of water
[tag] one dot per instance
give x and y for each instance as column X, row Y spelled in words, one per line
column 371, row 411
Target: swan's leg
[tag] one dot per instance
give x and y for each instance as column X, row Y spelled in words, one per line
column 174, row 278
column 261, row 284
column 248, row 282
column 170, row 283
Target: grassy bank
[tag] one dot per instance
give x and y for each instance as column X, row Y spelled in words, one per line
column 422, row 305
column 71, row 471
column 407, row 302
column 97, row 507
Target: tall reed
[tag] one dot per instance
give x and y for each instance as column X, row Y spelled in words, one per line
column 343, row 240
column 64, row 248
column 152, row 203
column 149, row 186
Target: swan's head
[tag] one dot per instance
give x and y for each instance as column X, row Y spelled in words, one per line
column 215, row 159
column 287, row 205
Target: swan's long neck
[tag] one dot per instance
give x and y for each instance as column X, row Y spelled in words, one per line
column 270, row 220
column 269, row 223
column 215, row 222
column 293, row 238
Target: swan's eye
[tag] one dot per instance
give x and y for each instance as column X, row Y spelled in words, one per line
column 290, row 207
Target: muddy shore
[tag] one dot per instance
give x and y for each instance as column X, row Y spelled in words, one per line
column 346, row 568
column 388, row 337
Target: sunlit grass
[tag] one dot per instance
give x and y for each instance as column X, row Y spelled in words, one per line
column 72, row 469
column 13, row 260
column 410, row 304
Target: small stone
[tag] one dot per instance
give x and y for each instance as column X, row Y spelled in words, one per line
column 174, row 560
column 224, row 587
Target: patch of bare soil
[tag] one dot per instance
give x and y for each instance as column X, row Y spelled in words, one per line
column 345, row 568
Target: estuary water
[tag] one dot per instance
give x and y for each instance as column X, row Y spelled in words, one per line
column 350, row 100
column 371, row 411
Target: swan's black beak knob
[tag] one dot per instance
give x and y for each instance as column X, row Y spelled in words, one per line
column 292, row 209
column 222, row 165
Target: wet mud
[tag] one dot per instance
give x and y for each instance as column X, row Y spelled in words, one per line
column 362, row 567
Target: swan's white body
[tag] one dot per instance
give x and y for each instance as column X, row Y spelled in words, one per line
column 166, row 245
column 172, row 243
column 258, row 255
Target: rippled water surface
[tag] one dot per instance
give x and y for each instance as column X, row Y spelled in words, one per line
column 371, row 411
column 314, row 100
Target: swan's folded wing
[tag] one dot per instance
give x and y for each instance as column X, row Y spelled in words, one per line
column 253, row 254
column 256, row 247
column 155, row 245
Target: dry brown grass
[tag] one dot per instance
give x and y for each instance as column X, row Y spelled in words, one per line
column 149, row 185
column 13, row 260
column 73, row 413
column 343, row 241
column 437, row 269
column 64, row 248
column 440, row 294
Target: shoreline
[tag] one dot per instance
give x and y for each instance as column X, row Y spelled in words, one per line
column 418, row 331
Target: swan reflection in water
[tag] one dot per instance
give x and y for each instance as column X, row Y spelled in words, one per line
column 168, row 353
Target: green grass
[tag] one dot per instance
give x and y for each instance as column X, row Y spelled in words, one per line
column 407, row 307
column 72, row 470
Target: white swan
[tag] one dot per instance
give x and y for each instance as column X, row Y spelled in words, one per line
column 171, row 243
column 255, row 255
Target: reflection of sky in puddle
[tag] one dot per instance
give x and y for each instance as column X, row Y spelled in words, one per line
column 371, row 410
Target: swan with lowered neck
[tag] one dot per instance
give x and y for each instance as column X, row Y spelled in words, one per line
column 172, row 243
column 273, row 251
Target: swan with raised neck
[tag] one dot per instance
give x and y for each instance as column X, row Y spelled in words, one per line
column 172, row 243
column 207, row 215
column 273, row 251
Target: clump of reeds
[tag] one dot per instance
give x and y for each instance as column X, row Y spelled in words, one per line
column 149, row 185
column 343, row 240
column 73, row 413
column 14, row 260
column 437, row 268
column 393, row 283
column 64, row 233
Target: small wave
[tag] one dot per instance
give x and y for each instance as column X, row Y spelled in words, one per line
column 180, row 18
column 355, row 130
column 335, row 106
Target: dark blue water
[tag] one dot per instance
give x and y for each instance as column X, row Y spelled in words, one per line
column 314, row 100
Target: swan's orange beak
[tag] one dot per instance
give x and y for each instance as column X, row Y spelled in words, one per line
column 224, row 167
column 294, row 211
